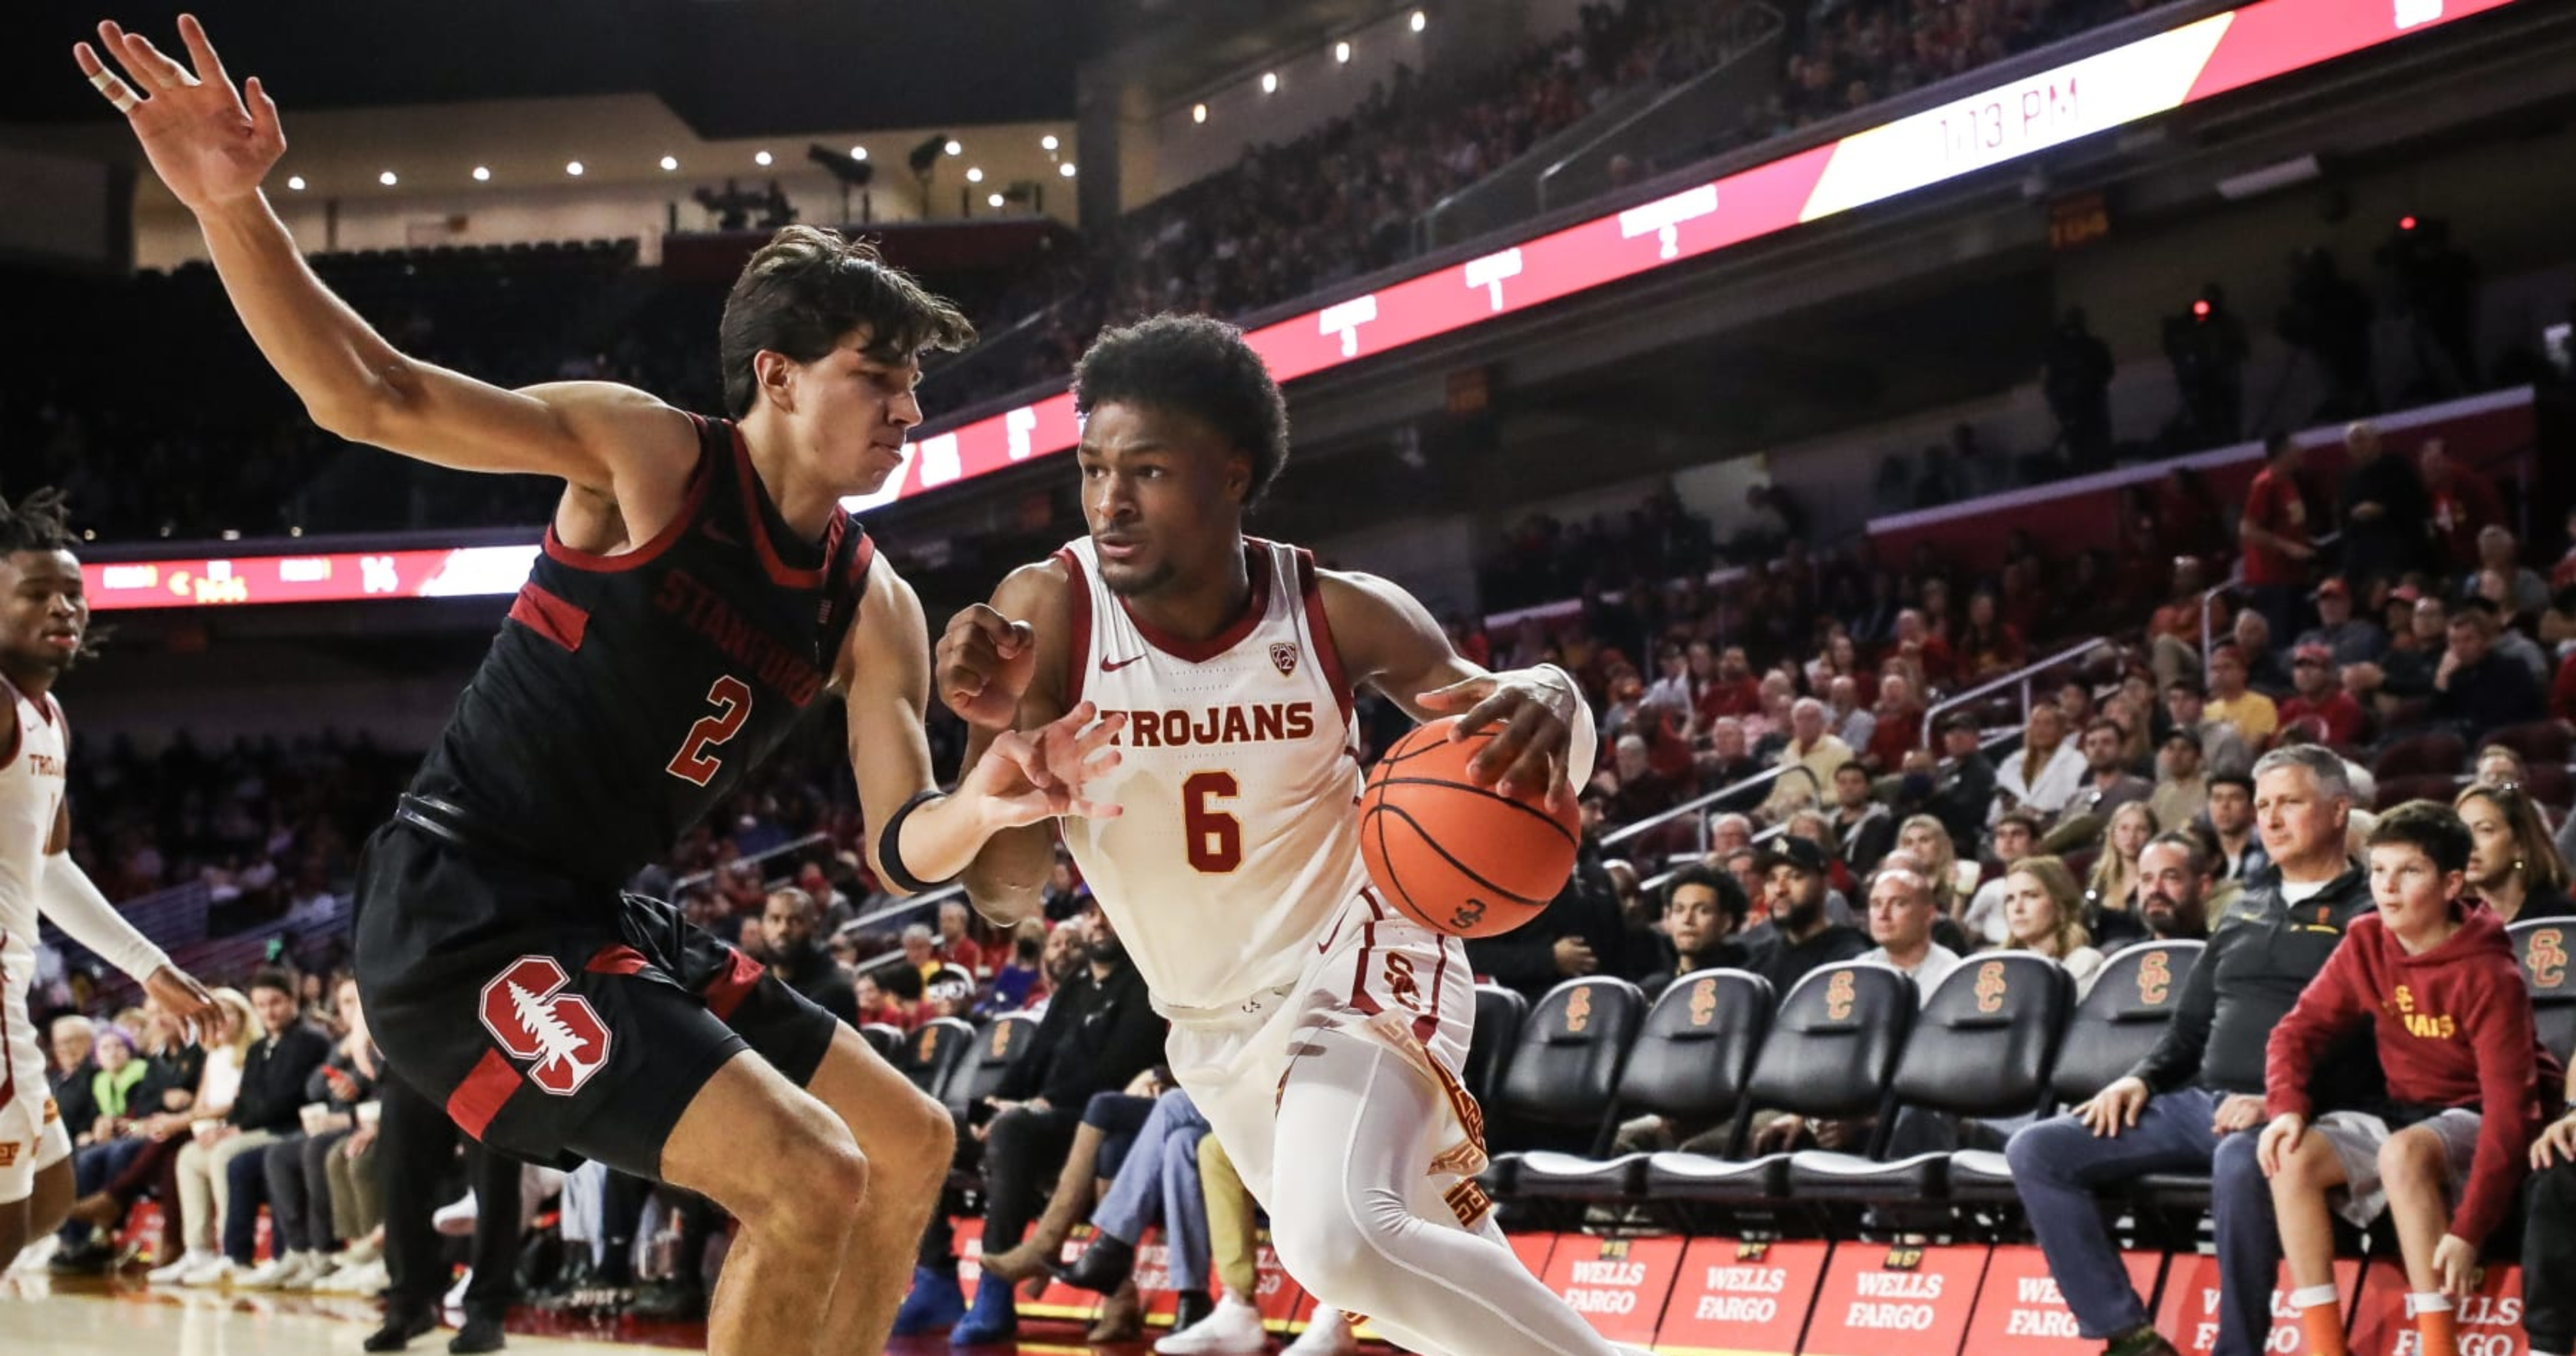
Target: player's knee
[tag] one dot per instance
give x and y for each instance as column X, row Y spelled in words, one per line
column 2309, row 1169
column 2408, row 1159
column 932, row 1135
column 816, row 1188
column 1345, row 1245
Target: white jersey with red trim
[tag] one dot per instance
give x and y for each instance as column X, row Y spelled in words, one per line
column 1238, row 783
column 31, row 796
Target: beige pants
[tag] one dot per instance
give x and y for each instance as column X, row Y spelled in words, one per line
column 1232, row 1239
column 357, row 1194
column 204, row 1193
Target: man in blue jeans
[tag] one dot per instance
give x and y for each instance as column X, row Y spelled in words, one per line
column 2193, row 1100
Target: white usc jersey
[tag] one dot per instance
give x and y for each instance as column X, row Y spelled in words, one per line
column 31, row 797
column 1238, row 840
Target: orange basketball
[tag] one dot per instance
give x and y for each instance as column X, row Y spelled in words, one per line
column 1460, row 858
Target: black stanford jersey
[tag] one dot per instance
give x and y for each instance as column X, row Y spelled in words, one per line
column 627, row 695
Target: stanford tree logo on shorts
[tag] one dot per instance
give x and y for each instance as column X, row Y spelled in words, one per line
column 531, row 1021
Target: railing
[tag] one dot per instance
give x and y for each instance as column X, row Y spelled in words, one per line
column 1695, row 807
column 1716, row 95
column 686, row 883
column 2021, row 676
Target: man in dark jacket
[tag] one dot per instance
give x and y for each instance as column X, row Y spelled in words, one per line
column 1582, row 931
column 787, row 926
column 1099, row 1032
column 2196, row 1099
column 270, row 1106
column 73, row 1039
column 1966, row 786
column 2476, row 689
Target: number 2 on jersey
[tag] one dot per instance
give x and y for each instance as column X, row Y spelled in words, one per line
column 732, row 699
column 1216, row 838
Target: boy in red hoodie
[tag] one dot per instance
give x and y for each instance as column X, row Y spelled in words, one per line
column 2436, row 978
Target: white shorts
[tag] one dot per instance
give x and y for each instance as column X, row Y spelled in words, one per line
column 1373, row 971
column 2355, row 1137
column 32, row 1137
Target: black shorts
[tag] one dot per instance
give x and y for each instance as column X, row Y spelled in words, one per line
column 557, row 1021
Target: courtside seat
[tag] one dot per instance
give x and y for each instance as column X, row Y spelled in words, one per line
column 1557, row 1083
column 1001, row 1046
column 2541, row 945
column 1689, row 1064
column 885, row 1039
column 1983, row 1047
column 1499, row 1014
column 2126, row 1011
column 937, row 1050
column 1831, row 1054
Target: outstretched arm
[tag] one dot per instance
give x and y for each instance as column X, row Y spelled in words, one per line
column 65, row 894
column 1001, row 667
column 885, row 669
column 1388, row 640
column 213, row 146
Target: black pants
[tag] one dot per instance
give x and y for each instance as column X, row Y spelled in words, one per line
column 417, row 1143
column 1024, row 1152
column 2549, row 1260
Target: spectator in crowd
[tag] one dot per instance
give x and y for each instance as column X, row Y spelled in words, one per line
column 2188, row 1104
column 2233, row 702
column 2117, row 871
column 2173, row 892
column 2273, row 533
column 2321, row 706
column 1672, row 690
column 2513, row 868
column 1926, row 842
column 1863, row 829
column 1704, row 909
column 921, row 950
column 1021, row 982
column 1808, row 762
column 2464, row 502
column 125, row 1092
column 893, row 995
column 2526, row 593
column 2385, row 511
column 1901, row 914
column 2045, row 775
column 72, row 1038
column 281, row 1055
column 2347, row 639
column 2108, row 785
column 2182, row 791
column 1896, row 727
column 1988, row 646
column 788, row 947
column 1734, row 693
column 2044, row 912
column 419, row 1142
column 2266, row 670
column 1729, row 758
column 2476, row 689
column 2408, row 666
column 2497, row 765
column 298, row 1169
column 2222, row 749
column 2425, row 963
column 1099, row 1032
column 2016, row 836
column 1642, row 793
column 1803, row 935
column 955, row 946
column 2242, row 855
column 1852, row 723
column 1965, row 790
column 1157, row 1183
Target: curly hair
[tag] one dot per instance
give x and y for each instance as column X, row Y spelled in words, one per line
column 39, row 521
column 1196, row 366
column 807, row 289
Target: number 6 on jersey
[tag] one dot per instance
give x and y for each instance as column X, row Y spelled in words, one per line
column 732, row 699
column 1216, row 838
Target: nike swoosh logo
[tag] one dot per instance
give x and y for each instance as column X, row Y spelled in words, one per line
column 1106, row 666
column 717, row 534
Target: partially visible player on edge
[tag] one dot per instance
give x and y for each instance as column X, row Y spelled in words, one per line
column 1318, row 1030
column 43, row 621
column 700, row 587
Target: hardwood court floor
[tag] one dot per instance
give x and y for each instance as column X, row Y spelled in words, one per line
column 94, row 1318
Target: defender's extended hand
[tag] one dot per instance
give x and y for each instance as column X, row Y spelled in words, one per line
column 983, row 665
column 1535, row 708
column 183, row 998
column 210, row 146
column 1039, row 774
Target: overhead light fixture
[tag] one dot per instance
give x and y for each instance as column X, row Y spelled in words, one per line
column 974, row 175
column 1342, row 52
column 761, row 159
column 2254, row 183
column 387, row 179
column 1065, row 169
column 1270, row 82
column 295, row 183
column 670, row 162
column 953, row 148
column 573, row 168
column 1048, row 142
column 994, row 201
column 1419, row 20
column 1198, row 112
column 858, row 153
column 482, row 174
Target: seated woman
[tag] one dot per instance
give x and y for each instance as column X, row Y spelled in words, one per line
column 2044, row 912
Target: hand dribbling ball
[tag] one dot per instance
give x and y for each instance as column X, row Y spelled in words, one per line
column 1456, row 857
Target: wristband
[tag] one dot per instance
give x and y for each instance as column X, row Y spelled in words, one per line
column 890, row 846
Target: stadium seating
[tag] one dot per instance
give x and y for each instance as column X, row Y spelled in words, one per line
column 1557, row 1086
column 937, row 1050
column 1499, row 1014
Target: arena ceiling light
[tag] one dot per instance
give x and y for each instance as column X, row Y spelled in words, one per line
column 761, row 159
column 295, row 183
column 1065, row 169
column 994, row 201
column 1198, row 112
column 858, row 153
column 974, row 174
column 1420, row 21
column 482, row 174
column 1342, row 53
column 670, row 162
column 1270, row 82
column 388, row 179
column 573, row 168
column 954, row 148
column 1048, row 142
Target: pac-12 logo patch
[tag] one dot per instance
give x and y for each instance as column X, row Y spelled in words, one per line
column 1284, row 655
column 559, row 1032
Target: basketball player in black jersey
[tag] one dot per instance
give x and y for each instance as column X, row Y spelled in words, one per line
column 700, row 587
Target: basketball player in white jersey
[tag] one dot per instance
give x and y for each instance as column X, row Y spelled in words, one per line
column 42, row 620
column 1319, row 1030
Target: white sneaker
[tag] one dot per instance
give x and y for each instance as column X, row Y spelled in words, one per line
column 456, row 1294
column 35, row 1255
column 456, row 1218
column 1328, row 1334
column 173, row 1272
column 364, row 1279
column 1233, row 1328
column 315, row 1266
column 269, row 1275
column 209, row 1274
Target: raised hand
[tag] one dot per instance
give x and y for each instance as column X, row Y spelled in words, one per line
column 190, row 1007
column 1039, row 774
column 983, row 665
column 1535, row 709
column 211, row 143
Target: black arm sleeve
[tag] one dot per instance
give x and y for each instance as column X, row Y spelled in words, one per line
column 2175, row 1062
